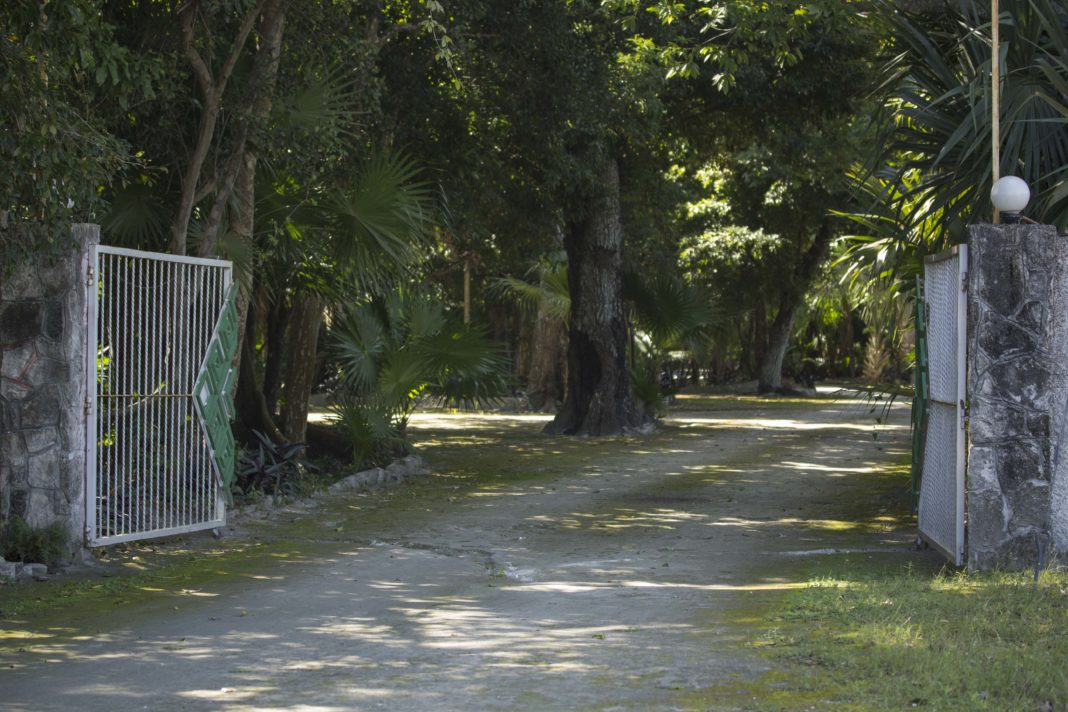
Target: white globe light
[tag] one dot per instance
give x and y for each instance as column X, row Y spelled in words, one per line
column 1010, row 194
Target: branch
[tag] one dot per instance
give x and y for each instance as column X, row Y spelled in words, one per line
column 239, row 43
column 200, row 67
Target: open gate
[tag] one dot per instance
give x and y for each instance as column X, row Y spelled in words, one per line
column 941, row 507
column 162, row 334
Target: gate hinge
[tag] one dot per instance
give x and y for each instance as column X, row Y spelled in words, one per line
column 88, row 406
column 91, row 277
column 964, row 281
column 965, row 414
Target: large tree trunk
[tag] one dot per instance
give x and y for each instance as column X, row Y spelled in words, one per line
column 271, row 24
column 274, row 333
column 770, row 373
column 769, row 376
column 302, row 347
column 251, row 408
column 546, row 371
column 599, row 400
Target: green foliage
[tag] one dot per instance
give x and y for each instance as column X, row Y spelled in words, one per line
column 393, row 350
column 272, row 469
column 549, row 291
column 57, row 61
column 20, row 542
column 645, row 380
column 379, row 226
column 368, row 423
column 676, row 315
column 736, row 263
column 932, row 174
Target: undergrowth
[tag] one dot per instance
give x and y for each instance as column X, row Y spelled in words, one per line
column 898, row 639
column 21, row 542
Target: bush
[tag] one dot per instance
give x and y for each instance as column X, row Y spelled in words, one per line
column 273, row 469
column 21, row 542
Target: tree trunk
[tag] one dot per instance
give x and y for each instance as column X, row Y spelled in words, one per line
column 769, row 376
column 302, row 346
column 251, row 408
column 599, row 400
column 263, row 81
column 770, row 372
column 548, row 362
column 274, row 333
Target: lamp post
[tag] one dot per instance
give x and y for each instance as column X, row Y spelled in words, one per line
column 1010, row 195
column 995, row 95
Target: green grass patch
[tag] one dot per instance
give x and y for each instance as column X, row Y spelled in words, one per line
column 865, row 635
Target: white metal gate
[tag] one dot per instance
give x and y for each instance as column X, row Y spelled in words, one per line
column 150, row 468
column 941, row 508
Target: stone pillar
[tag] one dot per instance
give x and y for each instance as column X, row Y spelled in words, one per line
column 1018, row 394
column 43, row 388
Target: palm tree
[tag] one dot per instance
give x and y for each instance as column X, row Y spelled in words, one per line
column 324, row 251
column 396, row 349
column 932, row 174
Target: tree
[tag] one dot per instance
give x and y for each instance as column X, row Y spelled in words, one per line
column 771, row 134
column 930, row 175
column 56, row 147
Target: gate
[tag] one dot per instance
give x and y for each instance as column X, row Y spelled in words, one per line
column 157, row 457
column 941, row 507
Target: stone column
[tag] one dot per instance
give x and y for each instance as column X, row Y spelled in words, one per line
column 1018, row 394
column 43, row 388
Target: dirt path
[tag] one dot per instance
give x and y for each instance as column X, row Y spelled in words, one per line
column 530, row 573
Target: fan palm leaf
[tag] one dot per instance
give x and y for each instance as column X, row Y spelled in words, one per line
column 938, row 155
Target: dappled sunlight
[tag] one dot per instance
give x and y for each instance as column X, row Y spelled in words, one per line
column 621, row 518
column 590, row 586
column 476, row 421
column 524, row 562
column 781, row 424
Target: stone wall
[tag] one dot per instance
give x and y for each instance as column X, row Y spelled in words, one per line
column 42, row 388
column 1018, row 393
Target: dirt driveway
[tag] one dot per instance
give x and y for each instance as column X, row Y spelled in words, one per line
column 529, row 573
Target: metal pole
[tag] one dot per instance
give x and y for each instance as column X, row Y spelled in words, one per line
column 467, row 291
column 995, row 96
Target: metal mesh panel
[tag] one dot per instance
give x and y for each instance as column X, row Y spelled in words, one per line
column 150, row 470
column 942, row 290
column 938, row 489
column 941, row 508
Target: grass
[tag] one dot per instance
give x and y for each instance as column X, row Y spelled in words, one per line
column 872, row 639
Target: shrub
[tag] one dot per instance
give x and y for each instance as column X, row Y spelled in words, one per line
column 272, row 468
column 21, row 542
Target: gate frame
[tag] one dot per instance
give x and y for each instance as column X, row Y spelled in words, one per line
column 960, row 252
column 91, row 407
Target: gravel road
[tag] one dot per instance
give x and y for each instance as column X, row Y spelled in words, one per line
column 528, row 573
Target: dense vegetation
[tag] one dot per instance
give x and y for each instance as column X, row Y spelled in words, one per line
column 585, row 202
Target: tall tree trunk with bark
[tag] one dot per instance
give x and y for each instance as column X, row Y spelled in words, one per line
column 599, row 400
column 546, row 371
column 769, row 375
column 302, row 347
column 242, row 178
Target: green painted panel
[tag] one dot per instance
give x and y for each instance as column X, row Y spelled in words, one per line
column 214, row 386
